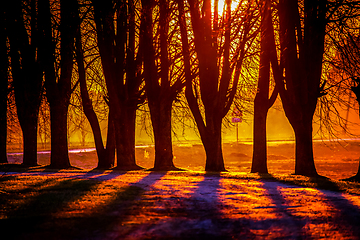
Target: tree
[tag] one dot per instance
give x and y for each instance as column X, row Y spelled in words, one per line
column 26, row 72
column 220, row 48
column 4, row 64
column 105, row 155
column 161, row 90
column 302, row 36
column 262, row 102
column 346, row 63
column 121, row 62
column 58, row 82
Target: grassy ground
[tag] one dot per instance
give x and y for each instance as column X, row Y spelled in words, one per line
column 40, row 203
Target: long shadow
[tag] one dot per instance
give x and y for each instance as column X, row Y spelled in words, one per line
column 205, row 216
column 126, row 204
column 291, row 225
column 347, row 217
column 37, row 211
column 97, row 224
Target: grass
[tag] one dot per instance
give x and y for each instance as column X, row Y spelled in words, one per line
column 72, row 207
column 65, row 207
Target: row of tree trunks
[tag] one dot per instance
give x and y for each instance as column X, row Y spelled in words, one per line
column 27, row 75
column 4, row 64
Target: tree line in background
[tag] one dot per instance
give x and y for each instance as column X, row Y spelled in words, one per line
column 159, row 52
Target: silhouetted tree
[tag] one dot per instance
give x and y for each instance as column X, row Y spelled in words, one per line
column 121, row 62
column 347, row 64
column 105, row 155
column 262, row 102
column 304, row 26
column 220, row 48
column 356, row 90
column 302, row 36
column 4, row 64
column 161, row 90
column 58, row 83
column 26, row 71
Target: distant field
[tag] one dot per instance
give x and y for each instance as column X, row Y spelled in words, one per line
column 332, row 159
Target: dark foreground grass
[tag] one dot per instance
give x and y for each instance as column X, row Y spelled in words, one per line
column 71, row 206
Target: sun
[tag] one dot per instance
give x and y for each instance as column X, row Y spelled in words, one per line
column 221, row 5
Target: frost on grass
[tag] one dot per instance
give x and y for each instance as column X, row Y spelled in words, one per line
column 142, row 205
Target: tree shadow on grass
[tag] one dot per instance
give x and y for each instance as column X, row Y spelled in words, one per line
column 108, row 221
column 290, row 225
column 95, row 224
column 347, row 215
column 37, row 211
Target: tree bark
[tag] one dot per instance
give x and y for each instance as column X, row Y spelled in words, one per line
column 213, row 147
column 259, row 160
column 4, row 64
column 59, row 158
column 304, row 156
column 29, row 129
column 125, row 140
column 109, row 160
column 161, row 122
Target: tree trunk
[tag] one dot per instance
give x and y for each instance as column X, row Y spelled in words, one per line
column 259, row 161
column 4, row 63
column 161, row 122
column 262, row 102
column 29, row 129
column 125, row 140
column 59, row 140
column 108, row 161
column 304, row 156
column 213, row 146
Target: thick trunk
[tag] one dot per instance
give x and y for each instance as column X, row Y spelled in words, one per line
column 304, row 156
column 3, row 125
column 59, row 158
column 357, row 176
column 259, row 161
column 262, row 101
column 213, row 148
column 161, row 122
column 109, row 160
column 125, row 140
column 29, row 129
column 4, row 63
column 27, row 98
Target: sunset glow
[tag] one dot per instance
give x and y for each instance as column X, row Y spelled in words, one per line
column 179, row 119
